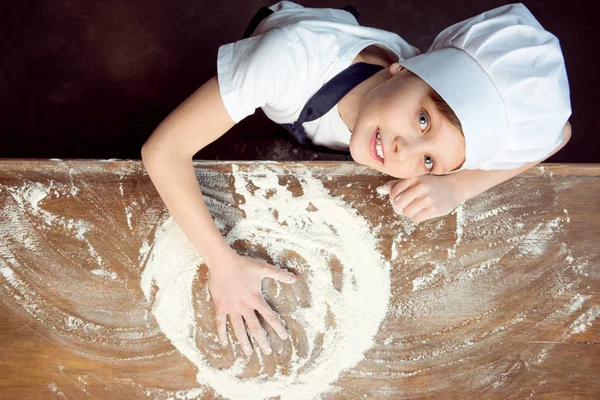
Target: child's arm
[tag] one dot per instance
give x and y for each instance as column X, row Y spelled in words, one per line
column 234, row 281
column 430, row 196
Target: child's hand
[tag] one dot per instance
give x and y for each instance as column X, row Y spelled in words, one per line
column 422, row 197
column 235, row 287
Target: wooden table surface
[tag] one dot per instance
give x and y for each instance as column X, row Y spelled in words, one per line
column 498, row 299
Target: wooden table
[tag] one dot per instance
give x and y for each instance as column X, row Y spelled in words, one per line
column 499, row 299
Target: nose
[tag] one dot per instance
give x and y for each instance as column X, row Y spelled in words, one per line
column 403, row 150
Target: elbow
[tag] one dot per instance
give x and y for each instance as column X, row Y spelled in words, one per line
column 150, row 149
column 155, row 155
column 147, row 153
column 145, row 150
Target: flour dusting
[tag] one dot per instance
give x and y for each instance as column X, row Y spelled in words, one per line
column 474, row 302
column 310, row 232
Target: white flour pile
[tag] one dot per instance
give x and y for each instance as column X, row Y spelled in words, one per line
column 317, row 230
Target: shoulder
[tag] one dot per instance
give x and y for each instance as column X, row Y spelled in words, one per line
column 259, row 70
column 273, row 46
column 277, row 45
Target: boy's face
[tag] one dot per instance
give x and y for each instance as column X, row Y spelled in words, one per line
column 415, row 138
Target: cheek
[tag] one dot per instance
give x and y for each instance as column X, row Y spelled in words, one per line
column 404, row 170
column 375, row 102
column 358, row 149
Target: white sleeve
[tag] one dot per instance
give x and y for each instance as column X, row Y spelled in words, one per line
column 260, row 70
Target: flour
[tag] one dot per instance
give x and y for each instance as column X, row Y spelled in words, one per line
column 28, row 198
column 577, row 302
column 311, row 231
column 422, row 281
column 104, row 272
column 174, row 394
column 584, row 321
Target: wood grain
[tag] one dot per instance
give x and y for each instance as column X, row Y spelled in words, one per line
column 497, row 300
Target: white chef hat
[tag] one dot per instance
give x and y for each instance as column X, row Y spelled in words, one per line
column 504, row 77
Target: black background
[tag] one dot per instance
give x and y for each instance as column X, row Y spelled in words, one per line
column 92, row 79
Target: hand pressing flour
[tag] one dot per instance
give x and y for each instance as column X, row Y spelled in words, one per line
column 235, row 287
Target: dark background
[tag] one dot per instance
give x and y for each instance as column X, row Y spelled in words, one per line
column 92, row 79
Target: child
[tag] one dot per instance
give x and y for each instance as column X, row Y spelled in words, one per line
column 487, row 101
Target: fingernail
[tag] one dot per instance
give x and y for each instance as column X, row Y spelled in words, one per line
column 284, row 335
column 247, row 351
column 383, row 190
column 268, row 351
column 292, row 278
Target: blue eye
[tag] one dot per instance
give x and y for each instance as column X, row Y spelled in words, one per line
column 429, row 164
column 423, row 120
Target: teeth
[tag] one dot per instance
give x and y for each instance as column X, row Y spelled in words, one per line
column 378, row 146
column 379, row 151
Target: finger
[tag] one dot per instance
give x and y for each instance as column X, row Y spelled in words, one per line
column 407, row 197
column 416, row 206
column 272, row 319
column 240, row 333
column 387, row 187
column 279, row 274
column 258, row 332
column 222, row 329
column 423, row 215
column 401, row 186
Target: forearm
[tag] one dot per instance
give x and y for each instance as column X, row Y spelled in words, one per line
column 470, row 183
column 174, row 178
